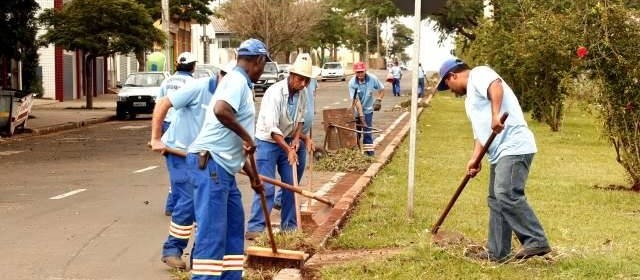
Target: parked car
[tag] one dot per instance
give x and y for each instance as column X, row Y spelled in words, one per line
column 202, row 73
column 213, row 68
column 270, row 76
column 285, row 69
column 138, row 94
column 332, row 71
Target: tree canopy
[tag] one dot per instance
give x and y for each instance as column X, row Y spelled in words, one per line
column 18, row 39
column 180, row 9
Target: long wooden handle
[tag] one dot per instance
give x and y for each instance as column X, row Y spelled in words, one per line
column 466, row 179
column 263, row 205
column 300, row 191
column 296, row 199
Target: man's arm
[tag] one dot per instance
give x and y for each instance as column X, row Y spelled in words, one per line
column 473, row 169
column 495, row 92
column 225, row 114
column 159, row 114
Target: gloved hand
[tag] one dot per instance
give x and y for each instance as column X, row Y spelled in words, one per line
column 377, row 105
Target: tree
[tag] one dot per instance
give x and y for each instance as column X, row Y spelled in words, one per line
column 402, row 38
column 18, row 39
column 459, row 17
column 276, row 23
column 185, row 10
column 611, row 31
column 100, row 28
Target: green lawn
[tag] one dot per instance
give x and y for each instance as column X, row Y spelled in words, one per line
column 595, row 233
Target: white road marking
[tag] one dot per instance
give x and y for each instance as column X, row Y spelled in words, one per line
column 67, row 194
column 134, row 126
column 324, row 189
column 8, row 153
column 146, row 169
column 390, row 128
column 337, row 103
column 326, row 107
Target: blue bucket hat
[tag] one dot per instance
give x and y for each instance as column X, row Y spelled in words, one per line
column 445, row 68
column 253, row 47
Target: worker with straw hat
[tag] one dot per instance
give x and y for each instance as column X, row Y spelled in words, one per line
column 278, row 134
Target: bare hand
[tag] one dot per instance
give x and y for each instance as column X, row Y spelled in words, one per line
column 310, row 145
column 157, row 146
column 295, row 144
column 292, row 156
column 473, row 170
column 249, row 147
column 256, row 185
column 496, row 125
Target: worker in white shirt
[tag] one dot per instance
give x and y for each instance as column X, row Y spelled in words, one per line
column 278, row 135
column 396, row 72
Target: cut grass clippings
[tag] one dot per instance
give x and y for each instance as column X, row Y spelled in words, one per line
column 344, row 160
column 594, row 233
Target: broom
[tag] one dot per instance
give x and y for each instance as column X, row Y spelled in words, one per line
column 259, row 257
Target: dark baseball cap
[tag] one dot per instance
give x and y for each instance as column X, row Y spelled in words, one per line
column 445, row 68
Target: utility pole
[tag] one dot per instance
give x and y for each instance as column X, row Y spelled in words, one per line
column 165, row 28
column 414, row 109
column 366, row 39
column 205, row 44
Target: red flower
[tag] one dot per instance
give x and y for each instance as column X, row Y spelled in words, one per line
column 582, row 51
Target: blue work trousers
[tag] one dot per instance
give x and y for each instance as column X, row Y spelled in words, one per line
column 270, row 156
column 302, row 164
column 218, row 251
column 182, row 217
column 420, row 87
column 171, row 200
column 396, row 87
column 509, row 210
column 367, row 138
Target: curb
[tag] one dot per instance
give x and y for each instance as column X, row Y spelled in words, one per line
column 340, row 213
column 70, row 125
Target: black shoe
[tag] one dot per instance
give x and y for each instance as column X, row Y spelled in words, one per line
column 167, row 213
column 526, row 253
column 277, row 206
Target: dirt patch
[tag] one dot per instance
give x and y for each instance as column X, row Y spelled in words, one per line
column 446, row 239
column 344, row 160
column 335, row 257
column 612, row 187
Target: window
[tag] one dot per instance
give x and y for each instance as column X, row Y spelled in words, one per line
column 224, row 43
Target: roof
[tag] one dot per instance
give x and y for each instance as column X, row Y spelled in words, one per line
column 219, row 25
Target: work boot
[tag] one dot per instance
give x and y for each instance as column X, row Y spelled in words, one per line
column 526, row 253
column 174, row 262
column 252, row 235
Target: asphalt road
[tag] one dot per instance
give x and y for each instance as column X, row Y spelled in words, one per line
column 88, row 203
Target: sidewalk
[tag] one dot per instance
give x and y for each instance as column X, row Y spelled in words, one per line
column 48, row 116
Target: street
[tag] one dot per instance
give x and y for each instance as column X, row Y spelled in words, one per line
column 88, row 203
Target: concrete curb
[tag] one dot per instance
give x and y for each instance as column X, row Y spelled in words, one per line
column 70, row 125
column 349, row 199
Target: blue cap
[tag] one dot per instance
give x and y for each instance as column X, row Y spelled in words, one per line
column 253, row 47
column 445, row 68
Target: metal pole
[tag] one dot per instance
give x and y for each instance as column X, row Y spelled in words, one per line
column 165, row 28
column 414, row 109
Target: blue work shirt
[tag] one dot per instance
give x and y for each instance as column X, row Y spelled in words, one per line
column 516, row 138
column 310, row 110
column 365, row 90
column 225, row 145
column 171, row 84
column 191, row 103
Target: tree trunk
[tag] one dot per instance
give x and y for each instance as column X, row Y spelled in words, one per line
column 140, row 57
column 88, row 79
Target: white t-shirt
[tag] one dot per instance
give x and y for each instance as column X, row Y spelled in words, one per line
column 516, row 138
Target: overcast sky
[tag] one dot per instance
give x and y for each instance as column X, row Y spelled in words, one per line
column 432, row 53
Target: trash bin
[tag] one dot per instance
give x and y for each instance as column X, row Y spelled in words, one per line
column 15, row 107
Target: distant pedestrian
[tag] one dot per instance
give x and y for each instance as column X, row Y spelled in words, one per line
column 279, row 131
column 396, row 73
column 421, row 77
column 215, row 157
column 185, row 67
column 366, row 94
column 511, row 154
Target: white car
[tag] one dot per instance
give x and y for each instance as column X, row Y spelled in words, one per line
column 138, row 94
column 332, row 71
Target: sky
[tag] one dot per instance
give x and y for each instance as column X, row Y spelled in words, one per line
column 432, row 53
